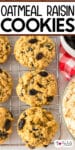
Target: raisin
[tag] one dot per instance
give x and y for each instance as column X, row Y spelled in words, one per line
column 3, row 134
column 34, row 129
column 7, row 124
column 32, row 41
column 39, row 56
column 1, row 71
column 22, row 52
column 45, row 145
column 49, row 98
column 40, row 85
column 21, row 124
column 33, row 92
column 43, row 73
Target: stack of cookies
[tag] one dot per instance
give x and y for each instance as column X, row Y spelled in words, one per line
column 36, row 87
column 36, row 126
column 6, row 86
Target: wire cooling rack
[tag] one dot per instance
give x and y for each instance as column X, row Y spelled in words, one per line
column 15, row 105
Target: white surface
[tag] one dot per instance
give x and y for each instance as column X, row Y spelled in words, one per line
column 17, row 71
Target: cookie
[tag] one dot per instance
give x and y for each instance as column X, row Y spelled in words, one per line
column 6, row 85
column 6, row 119
column 37, row 88
column 4, row 49
column 34, row 51
column 36, row 127
column 68, row 107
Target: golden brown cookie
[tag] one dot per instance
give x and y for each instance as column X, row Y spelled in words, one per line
column 4, row 48
column 36, row 127
column 37, row 88
column 6, row 85
column 6, row 119
column 34, row 51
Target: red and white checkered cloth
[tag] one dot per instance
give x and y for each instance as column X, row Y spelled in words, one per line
column 66, row 63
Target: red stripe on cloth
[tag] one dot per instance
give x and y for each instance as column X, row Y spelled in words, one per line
column 62, row 50
column 73, row 71
column 67, row 69
column 61, row 66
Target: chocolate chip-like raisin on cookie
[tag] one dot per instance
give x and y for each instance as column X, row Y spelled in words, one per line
column 5, row 48
column 37, row 88
column 6, row 85
column 6, row 119
column 37, row 128
column 34, row 51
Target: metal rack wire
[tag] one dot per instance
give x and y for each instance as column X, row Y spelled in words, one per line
column 15, row 105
